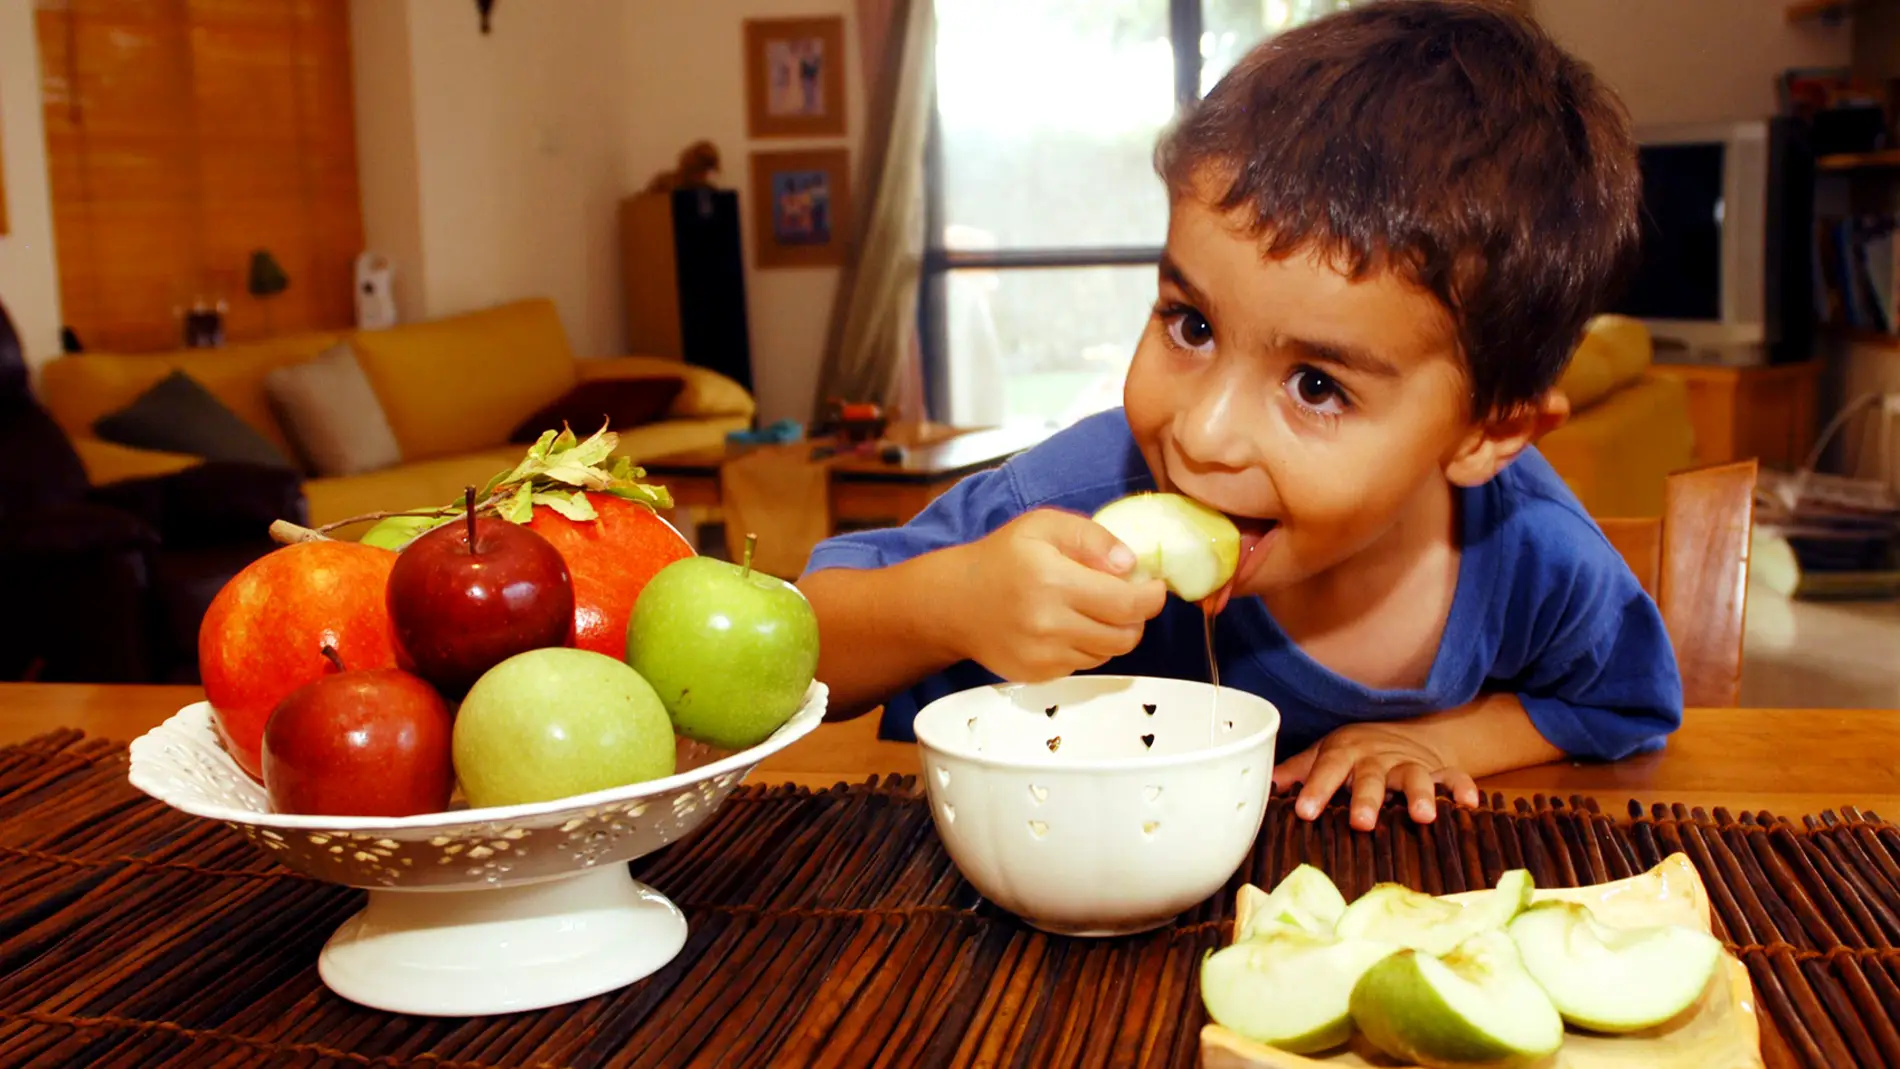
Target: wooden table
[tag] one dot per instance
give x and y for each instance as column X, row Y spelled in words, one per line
column 864, row 488
column 1787, row 761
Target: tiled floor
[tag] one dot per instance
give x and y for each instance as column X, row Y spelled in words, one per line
column 1820, row 654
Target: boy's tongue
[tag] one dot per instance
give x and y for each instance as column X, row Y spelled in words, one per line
column 1252, row 533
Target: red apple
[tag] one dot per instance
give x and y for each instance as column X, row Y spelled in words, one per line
column 470, row 594
column 264, row 633
column 610, row 559
column 373, row 743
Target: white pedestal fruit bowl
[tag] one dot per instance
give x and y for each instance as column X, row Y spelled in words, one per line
column 472, row 911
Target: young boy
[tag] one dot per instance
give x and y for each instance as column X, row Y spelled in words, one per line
column 1388, row 229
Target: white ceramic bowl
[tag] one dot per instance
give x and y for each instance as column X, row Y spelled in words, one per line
column 473, row 911
column 1098, row 805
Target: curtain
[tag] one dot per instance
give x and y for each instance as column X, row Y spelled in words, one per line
column 872, row 348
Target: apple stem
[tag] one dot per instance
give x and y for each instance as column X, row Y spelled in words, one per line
column 286, row 533
column 330, row 654
column 468, row 500
column 745, row 564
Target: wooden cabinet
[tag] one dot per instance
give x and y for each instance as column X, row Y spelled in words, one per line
column 1739, row 413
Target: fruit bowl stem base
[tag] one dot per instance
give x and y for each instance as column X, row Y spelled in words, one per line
column 467, row 953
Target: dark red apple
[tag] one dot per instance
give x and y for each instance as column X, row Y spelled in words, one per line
column 469, row 595
column 263, row 633
column 611, row 558
column 373, row 743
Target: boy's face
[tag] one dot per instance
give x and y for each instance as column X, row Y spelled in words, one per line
column 1320, row 411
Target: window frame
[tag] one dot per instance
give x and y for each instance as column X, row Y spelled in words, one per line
column 933, row 328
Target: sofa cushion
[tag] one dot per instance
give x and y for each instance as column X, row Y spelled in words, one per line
column 460, row 384
column 178, row 415
column 332, row 415
column 621, row 404
column 1615, row 352
column 707, row 392
column 79, row 389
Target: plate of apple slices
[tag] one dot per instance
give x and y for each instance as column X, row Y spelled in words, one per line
column 445, row 722
column 1618, row 975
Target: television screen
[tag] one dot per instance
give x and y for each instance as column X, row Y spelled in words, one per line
column 1679, row 273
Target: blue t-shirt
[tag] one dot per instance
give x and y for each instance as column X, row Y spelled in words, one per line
column 1545, row 608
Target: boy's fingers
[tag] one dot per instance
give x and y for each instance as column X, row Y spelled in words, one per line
column 1087, row 542
column 1464, row 790
column 1329, row 772
column 1421, row 792
column 1115, row 601
column 1368, row 793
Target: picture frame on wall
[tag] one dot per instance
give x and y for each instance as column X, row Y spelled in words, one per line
column 801, row 207
column 794, row 70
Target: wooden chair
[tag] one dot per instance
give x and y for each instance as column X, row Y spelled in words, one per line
column 1694, row 562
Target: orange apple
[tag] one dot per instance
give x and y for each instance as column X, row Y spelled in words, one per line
column 610, row 558
column 264, row 634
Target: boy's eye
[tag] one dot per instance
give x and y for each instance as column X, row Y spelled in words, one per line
column 1188, row 329
column 1315, row 390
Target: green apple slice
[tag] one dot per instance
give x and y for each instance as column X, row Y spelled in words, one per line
column 1192, row 548
column 1305, row 899
column 1476, row 1006
column 1613, row 979
column 1394, row 913
column 1288, row 988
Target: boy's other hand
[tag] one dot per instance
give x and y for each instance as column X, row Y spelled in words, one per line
column 1047, row 595
column 1374, row 758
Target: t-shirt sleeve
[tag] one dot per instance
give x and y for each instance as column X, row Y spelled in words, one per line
column 975, row 506
column 1601, row 680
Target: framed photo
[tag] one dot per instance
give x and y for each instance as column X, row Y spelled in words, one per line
column 801, row 207
column 794, row 72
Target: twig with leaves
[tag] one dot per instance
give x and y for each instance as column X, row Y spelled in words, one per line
column 558, row 471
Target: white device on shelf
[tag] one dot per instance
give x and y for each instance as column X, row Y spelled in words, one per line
column 375, row 292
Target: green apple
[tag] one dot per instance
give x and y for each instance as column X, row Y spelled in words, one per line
column 396, row 532
column 1192, row 548
column 1288, row 988
column 556, row 722
column 1394, row 913
column 1476, row 1006
column 730, row 650
column 1305, row 899
column 1613, row 979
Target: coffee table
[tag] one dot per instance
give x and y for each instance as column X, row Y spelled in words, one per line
column 864, row 488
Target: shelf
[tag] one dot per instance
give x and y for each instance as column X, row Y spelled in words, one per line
column 1870, row 339
column 1860, row 161
column 1802, row 10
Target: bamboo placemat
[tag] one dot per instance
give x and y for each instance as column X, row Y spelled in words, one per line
column 830, row 929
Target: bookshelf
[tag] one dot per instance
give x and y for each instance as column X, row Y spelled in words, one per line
column 1860, row 161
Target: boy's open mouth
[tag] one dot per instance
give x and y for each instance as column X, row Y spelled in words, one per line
column 1254, row 532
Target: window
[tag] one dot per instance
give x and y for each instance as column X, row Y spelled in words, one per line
column 1045, row 215
column 182, row 136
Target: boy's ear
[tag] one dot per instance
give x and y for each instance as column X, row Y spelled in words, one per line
column 1497, row 439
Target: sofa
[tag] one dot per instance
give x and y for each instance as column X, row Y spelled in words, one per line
column 452, row 391
column 1629, row 425
column 110, row 582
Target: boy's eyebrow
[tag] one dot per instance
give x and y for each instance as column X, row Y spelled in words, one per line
column 1349, row 357
column 1171, row 273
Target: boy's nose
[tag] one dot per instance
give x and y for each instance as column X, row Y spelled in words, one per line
column 1211, row 432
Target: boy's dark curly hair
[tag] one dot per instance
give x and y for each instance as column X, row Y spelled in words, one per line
column 1451, row 140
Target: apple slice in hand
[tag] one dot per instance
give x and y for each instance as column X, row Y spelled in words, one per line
column 1613, row 979
column 1476, row 1006
column 1288, row 988
column 1192, row 548
column 1305, row 899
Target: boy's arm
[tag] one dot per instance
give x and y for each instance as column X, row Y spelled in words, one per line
column 872, row 640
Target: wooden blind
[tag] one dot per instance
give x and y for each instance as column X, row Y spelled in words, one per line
column 181, row 136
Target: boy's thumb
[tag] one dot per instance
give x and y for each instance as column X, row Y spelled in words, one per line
column 1087, row 542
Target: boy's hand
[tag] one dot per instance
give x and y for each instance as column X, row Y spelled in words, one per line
column 1046, row 595
column 1375, row 758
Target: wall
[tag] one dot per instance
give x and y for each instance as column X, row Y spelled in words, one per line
column 685, row 75
column 1692, row 60
column 493, row 165
column 29, row 279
